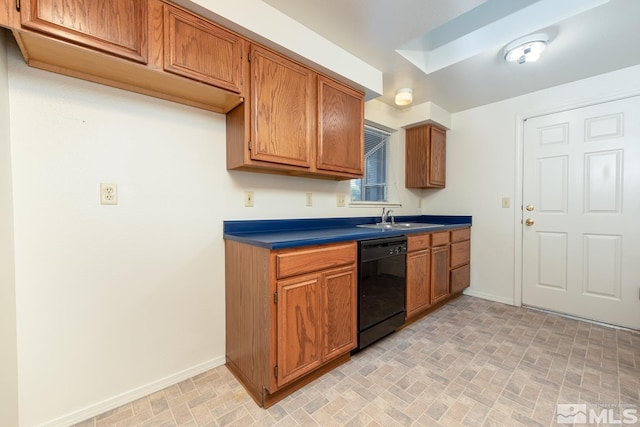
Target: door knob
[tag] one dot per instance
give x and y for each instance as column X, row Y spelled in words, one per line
column 529, row 222
column 529, row 208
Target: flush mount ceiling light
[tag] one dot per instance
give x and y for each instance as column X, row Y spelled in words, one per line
column 526, row 49
column 404, row 96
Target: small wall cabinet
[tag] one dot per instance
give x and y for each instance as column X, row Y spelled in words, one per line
column 425, row 157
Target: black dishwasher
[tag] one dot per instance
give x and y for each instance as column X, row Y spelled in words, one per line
column 381, row 288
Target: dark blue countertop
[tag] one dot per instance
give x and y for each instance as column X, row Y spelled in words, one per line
column 292, row 233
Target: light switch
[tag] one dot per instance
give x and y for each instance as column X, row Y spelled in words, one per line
column 248, row 199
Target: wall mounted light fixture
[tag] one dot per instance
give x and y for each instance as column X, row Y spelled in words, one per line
column 526, row 49
column 404, row 96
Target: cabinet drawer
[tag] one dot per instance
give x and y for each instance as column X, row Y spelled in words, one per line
column 460, row 278
column 441, row 238
column 459, row 235
column 299, row 261
column 460, row 253
column 421, row 241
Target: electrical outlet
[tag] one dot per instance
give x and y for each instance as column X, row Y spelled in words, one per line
column 108, row 194
column 340, row 201
column 248, row 199
column 506, row 202
column 309, row 199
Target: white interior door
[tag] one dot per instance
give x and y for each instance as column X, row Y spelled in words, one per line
column 581, row 212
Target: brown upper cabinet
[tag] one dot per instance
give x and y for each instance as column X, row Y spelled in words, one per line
column 425, row 157
column 118, row 27
column 340, row 128
column 281, row 99
column 282, row 116
column 295, row 121
column 200, row 50
column 146, row 46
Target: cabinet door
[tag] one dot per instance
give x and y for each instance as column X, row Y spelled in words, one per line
column 282, row 109
column 437, row 157
column 118, row 27
column 340, row 128
column 439, row 273
column 340, row 315
column 416, row 141
column 418, row 281
column 200, row 50
column 299, row 327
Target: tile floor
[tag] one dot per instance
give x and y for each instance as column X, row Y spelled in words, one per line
column 471, row 363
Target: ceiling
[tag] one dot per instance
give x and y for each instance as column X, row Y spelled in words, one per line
column 451, row 52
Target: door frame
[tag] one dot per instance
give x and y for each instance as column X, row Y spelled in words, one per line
column 518, row 212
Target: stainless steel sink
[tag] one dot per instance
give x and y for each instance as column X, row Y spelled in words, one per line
column 399, row 225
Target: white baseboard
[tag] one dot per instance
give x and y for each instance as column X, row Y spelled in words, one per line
column 473, row 293
column 131, row 395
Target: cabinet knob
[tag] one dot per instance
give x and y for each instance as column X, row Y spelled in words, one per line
column 529, row 222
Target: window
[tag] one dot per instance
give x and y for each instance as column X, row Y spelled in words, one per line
column 372, row 187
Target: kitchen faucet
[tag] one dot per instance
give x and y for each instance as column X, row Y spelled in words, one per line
column 386, row 215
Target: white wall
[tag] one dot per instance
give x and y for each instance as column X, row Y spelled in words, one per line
column 8, row 354
column 483, row 166
column 114, row 302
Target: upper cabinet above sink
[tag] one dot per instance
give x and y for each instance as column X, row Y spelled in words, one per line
column 296, row 121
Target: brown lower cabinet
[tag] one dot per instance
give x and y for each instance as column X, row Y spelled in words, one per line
column 418, row 281
column 439, row 273
column 437, row 268
column 460, row 275
column 290, row 314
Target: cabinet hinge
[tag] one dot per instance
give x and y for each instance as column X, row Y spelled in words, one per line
column 275, row 371
column 275, row 297
column 249, row 145
column 249, row 56
column 18, row 5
